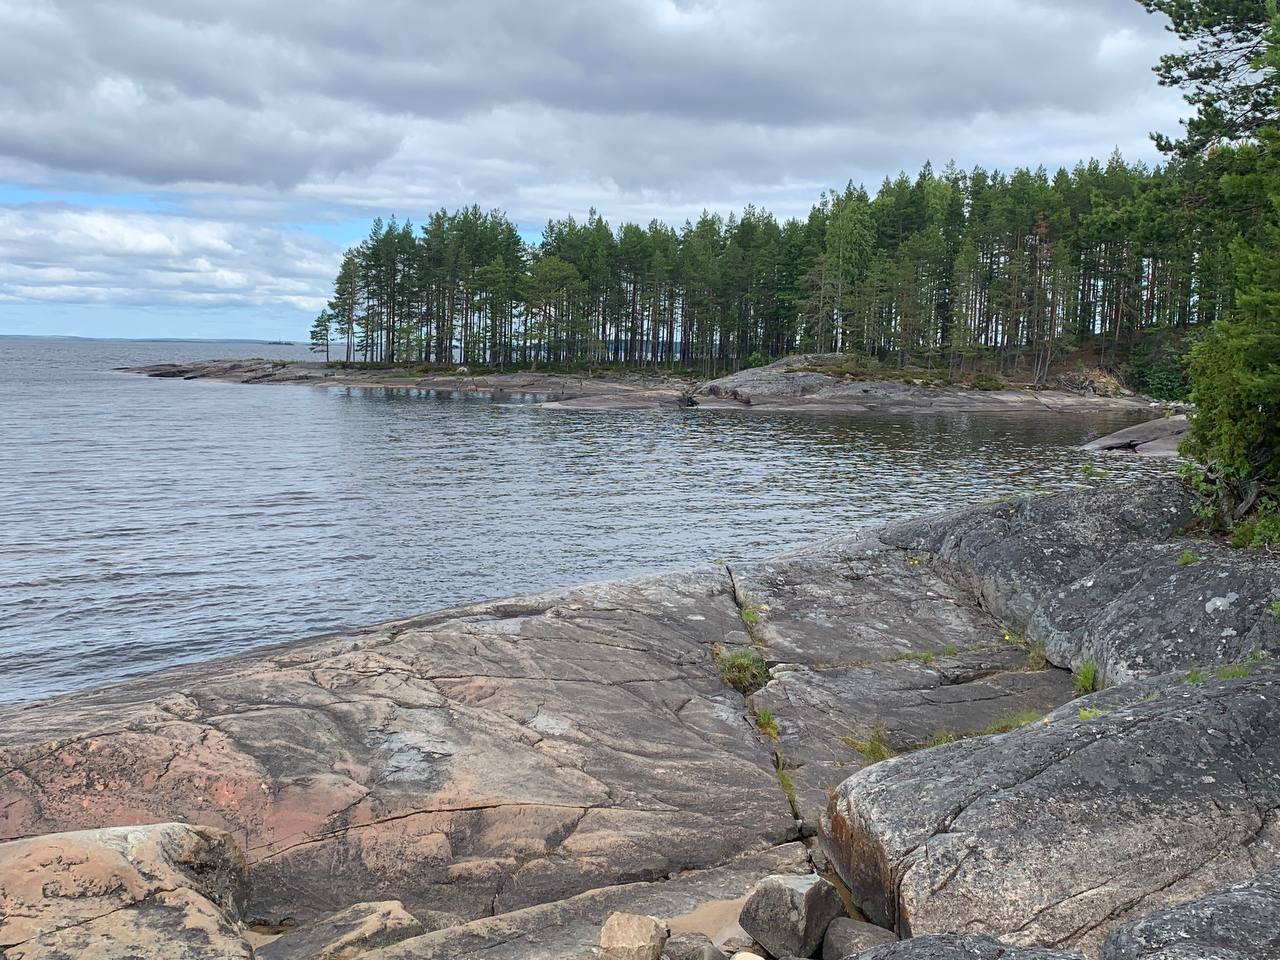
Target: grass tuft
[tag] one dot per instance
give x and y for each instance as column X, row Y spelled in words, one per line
column 1086, row 678
column 874, row 749
column 744, row 671
column 1196, row 676
column 1091, row 713
column 1234, row 671
column 1188, row 559
column 767, row 724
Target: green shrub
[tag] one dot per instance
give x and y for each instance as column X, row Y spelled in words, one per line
column 986, row 382
column 1235, row 671
column 1091, row 713
column 1196, row 676
column 744, row 671
column 1086, row 678
column 1261, row 528
column 1188, row 559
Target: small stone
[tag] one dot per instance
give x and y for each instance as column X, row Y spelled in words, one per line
column 847, row 937
column 629, row 936
column 789, row 915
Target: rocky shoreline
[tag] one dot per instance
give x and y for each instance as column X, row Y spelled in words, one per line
column 792, row 385
column 910, row 714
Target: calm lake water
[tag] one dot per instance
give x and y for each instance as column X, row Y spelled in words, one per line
column 146, row 523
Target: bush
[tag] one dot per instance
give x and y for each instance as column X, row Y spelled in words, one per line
column 744, row 671
column 1157, row 366
column 1086, row 678
column 985, row 381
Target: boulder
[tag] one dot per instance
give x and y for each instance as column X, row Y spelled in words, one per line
column 1241, row 922
column 345, row 934
column 846, row 937
column 1156, row 437
column 165, row 891
column 691, row 946
column 629, row 936
column 1140, row 797
column 961, row 947
column 789, row 915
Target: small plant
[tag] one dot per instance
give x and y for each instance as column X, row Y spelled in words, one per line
column 1037, row 658
column 875, row 748
column 1188, row 559
column 1275, row 608
column 1196, row 676
column 941, row 738
column 744, row 671
column 1234, row 671
column 950, row 650
column 767, row 724
column 986, row 382
column 1258, row 656
column 1091, row 713
column 926, row 657
column 1086, row 678
column 783, row 772
column 1011, row 721
column 1089, row 470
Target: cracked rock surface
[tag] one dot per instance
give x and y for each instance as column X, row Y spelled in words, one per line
column 1241, row 922
column 167, row 891
column 1055, row 833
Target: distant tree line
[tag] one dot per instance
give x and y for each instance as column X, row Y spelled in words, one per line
column 951, row 269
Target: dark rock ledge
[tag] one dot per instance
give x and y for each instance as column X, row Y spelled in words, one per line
column 496, row 780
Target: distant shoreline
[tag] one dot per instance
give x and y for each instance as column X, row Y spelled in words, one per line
column 788, row 386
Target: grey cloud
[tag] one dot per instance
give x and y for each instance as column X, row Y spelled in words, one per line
column 242, row 115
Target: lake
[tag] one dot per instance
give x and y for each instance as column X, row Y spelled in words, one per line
column 148, row 523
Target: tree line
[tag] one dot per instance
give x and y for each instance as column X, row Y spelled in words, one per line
column 953, row 269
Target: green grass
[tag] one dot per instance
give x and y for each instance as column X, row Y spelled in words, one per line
column 1188, row 559
column 1006, row 724
column 783, row 772
column 1086, row 678
column 1275, row 608
column 1234, row 671
column 767, row 724
column 926, row 657
column 744, row 671
column 1037, row 659
column 1091, row 713
column 875, row 748
column 1196, row 676
column 950, row 650
column 1258, row 656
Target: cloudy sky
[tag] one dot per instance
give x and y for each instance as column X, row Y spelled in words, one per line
column 195, row 167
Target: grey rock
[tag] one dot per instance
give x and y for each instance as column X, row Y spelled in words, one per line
column 1241, row 922
column 1158, row 436
column 789, row 915
column 961, row 947
column 166, row 891
column 1015, row 555
column 691, row 946
column 1063, row 830
column 1143, row 611
column 347, row 933
column 846, row 937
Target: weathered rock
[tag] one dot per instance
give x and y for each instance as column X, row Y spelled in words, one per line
column 746, row 955
column 789, row 915
column 869, row 639
column 345, row 934
column 1157, row 438
column 1145, row 610
column 1060, row 831
column 570, row 929
column 166, row 891
column 961, row 947
column 846, row 937
column 478, row 760
column 630, row 936
column 691, row 946
column 1241, row 922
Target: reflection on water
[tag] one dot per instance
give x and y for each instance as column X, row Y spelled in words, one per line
column 148, row 523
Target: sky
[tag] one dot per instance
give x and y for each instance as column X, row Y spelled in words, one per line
column 195, row 168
